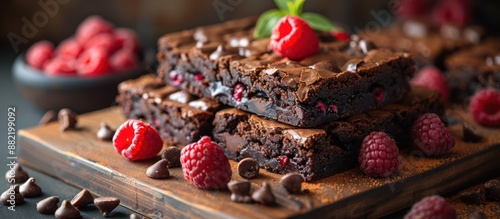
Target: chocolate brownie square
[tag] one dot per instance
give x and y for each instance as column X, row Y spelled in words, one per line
column 428, row 44
column 321, row 151
column 472, row 69
column 180, row 118
column 225, row 63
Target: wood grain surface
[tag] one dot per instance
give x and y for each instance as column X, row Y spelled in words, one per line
column 79, row 158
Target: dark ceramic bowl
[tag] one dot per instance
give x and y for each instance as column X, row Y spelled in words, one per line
column 80, row 94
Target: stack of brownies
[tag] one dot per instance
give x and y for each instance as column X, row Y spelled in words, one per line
column 308, row 116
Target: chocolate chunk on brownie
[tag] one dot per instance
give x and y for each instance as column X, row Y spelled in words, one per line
column 472, row 69
column 225, row 63
column 180, row 118
column 427, row 43
column 321, row 151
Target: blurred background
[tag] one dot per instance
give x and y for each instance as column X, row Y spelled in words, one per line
column 152, row 18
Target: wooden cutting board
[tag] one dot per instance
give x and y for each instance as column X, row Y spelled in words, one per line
column 79, row 158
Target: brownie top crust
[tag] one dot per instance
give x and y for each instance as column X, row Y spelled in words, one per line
column 481, row 58
column 231, row 45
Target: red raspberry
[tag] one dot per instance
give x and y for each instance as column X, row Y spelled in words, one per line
column 431, row 207
column 485, row 107
column 93, row 62
column 90, row 27
column 430, row 135
column 126, row 38
column 238, row 92
column 340, row 35
column 205, row 164
column 69, row 48
column 458, row 12
column 432, row 78
column 123, row 59
column 413, row 8
column 379, row 155
column 137, row 140
column 105, row 41
column 60, row 66
column 293, row 38
column 39, row 54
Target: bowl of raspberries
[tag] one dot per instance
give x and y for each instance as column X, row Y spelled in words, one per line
column 81, row 72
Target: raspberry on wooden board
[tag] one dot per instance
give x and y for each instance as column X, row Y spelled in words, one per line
column 205, row 165
column 137, row 140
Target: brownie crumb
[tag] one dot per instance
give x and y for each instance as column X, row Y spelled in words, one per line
column 473, row 197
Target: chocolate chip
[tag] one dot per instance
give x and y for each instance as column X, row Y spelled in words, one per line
column 16, row 174
column 67, row 211
column 473, row 34
column 47, row 205
column 414, row 28
column 106, row 204
column 134, row 216
column 292, row 182
column 158, row 170
column 366, row 46
column 173, row 155
column 478, row 215
column 105, row 133
column 83, row 198
column 67, row 119
column 471, row 197
column 248, row 168
column 220, row 51
column 181, row 97
column 470, row 133
column 450, row 31
column 240, row 191
column 492, row 190
column 6, row 197
column 49, row 116
column 264, row 195
column 30, row 188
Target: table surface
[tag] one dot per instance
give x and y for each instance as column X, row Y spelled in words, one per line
column 28, row 115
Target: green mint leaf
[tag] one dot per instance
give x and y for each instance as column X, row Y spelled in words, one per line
column 266, row 23
column 318, row 22
column 283, row 5
column 291, row 7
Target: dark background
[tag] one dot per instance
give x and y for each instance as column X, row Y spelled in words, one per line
column 150, row 19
